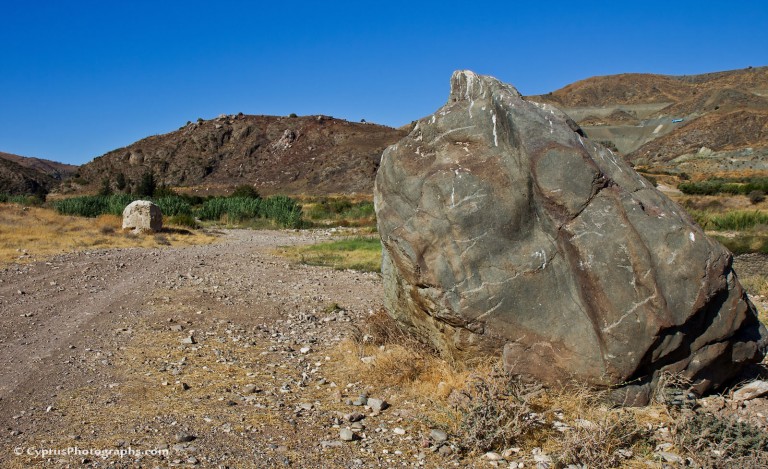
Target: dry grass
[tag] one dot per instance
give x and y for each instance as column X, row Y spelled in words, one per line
column 755, row 284
column 31, row 233
column 403, row 368
column 485, row 409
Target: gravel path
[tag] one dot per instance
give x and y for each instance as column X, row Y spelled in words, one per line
column 215, row 354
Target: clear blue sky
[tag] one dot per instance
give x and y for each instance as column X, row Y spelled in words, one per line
column 80, row 78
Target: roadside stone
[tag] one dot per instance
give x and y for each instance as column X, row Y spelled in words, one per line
column 346, row 434
column 185, row 438
column 250, row 389
column 188, row 340
column 751, row 390
column 669, row 457
column 377, row 405
column 437, row 435
column 360, row 401
column 445, row 451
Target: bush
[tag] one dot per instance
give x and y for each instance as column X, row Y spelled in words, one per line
column 716, row 441
column 246, row 191
column 599, row 444
column 733, row 186
column 174, row 205
column 284, row 210
column 106, row 187
column 147, row 185
column 496, row 414
column 737, row 221
column 94, row 205
column 186, row 220
column 120, row 182
column 90, row 206
column 21, row 199
column 164, row 191
column 235, row 208
column 756, row 196
column 340, row 208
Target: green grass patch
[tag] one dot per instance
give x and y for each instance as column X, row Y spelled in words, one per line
column 360, row 253
column 283, row 210
column 340, row 211
column 738, row 220
column 744, row 243
column 732, row 186
column 28, row 200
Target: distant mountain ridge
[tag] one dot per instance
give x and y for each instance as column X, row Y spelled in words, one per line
column 706, row 123
column 53, row 169
column 701, row 123
column 21, row 175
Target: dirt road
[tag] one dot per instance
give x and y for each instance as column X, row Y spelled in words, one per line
column 213, row 355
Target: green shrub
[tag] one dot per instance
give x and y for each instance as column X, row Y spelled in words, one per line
column 716, row 440
column 284, row 210
column 186, row 220
column 20, row 199
column 164, row 191
column 737, row 221
column 245, row 190
column 106, row 187
column 174, row 205
column 733, row 186
column 756, row 196
column 147, row 186
column 235, row 208
column 340, row 208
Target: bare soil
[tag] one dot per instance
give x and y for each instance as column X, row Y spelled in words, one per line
column 95, row 355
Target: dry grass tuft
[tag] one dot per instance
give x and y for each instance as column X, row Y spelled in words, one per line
column 606, row 442
column 31, row 234
column 497, row 412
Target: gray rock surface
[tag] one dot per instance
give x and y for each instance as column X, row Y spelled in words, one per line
column 505, row 230
column 142, row 216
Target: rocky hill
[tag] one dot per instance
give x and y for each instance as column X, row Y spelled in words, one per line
column 698, row 123
column 16, row 179
column 54, row 169
column 291, row 155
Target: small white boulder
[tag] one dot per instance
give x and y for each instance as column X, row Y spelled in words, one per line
column 141, row 216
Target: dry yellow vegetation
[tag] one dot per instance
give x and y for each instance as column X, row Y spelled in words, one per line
column 31, row 234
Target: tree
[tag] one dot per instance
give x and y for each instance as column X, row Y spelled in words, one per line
column 106, row 187
column 120, row 181
column 147, row 185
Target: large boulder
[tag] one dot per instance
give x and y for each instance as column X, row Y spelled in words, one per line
column 506, row 230
column 142, row 216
